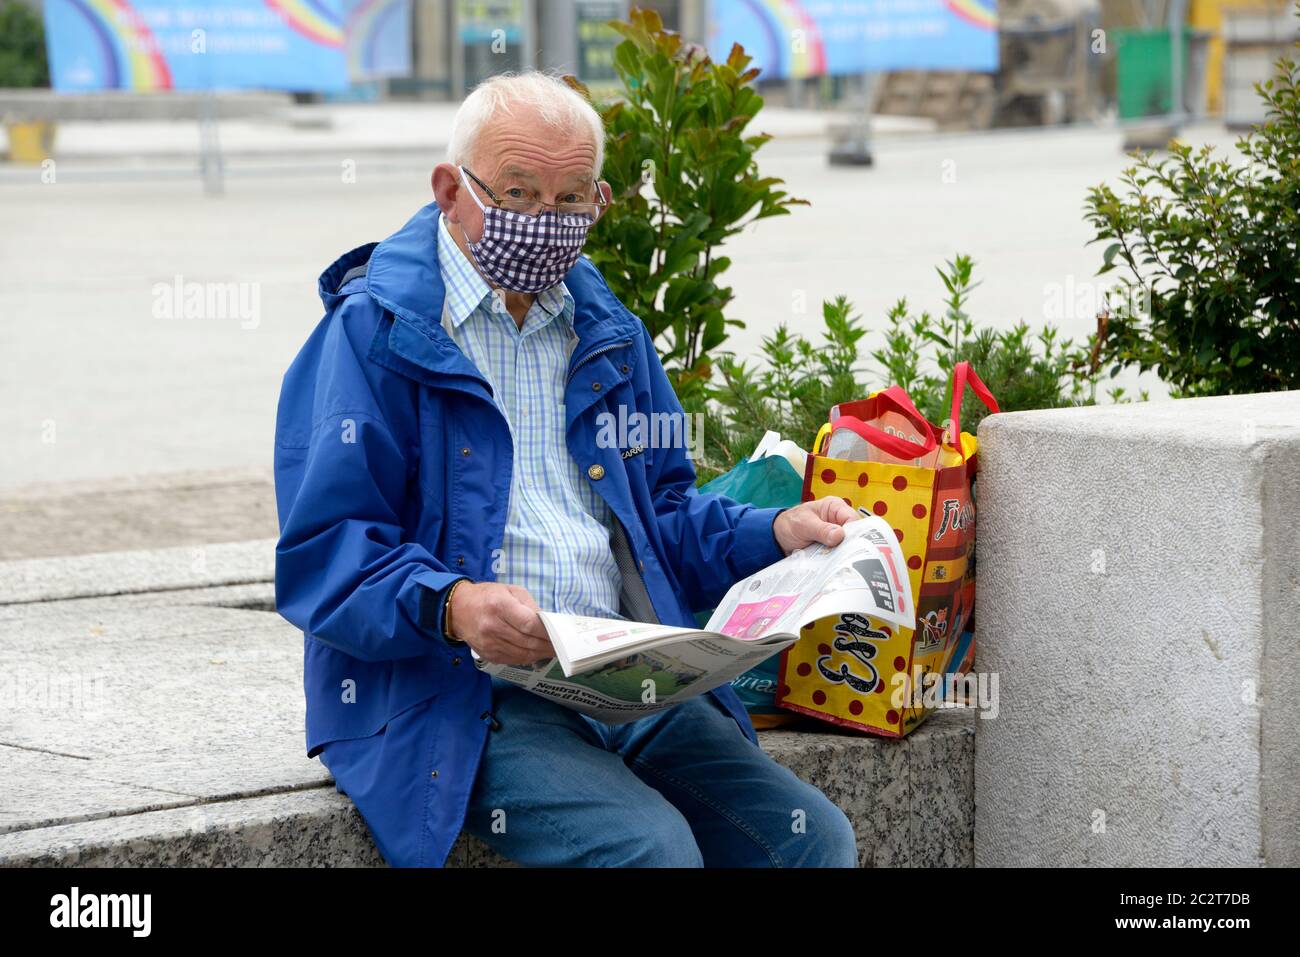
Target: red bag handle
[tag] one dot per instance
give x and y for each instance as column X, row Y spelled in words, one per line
column 898, row 395
column 894, row 395
column 898, row 398
column 963, row 374
column 895, row 445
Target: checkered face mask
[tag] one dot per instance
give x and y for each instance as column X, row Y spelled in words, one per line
column 526, row 253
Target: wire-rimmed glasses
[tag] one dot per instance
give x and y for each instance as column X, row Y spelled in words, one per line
column 530, row 206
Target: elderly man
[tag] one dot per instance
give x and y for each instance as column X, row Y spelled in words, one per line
column 439, row 481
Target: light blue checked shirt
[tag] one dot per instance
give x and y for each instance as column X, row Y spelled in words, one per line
column 557, row 534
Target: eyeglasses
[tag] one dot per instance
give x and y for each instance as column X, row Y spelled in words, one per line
column 534, row 207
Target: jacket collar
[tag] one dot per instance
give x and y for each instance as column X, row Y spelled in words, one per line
column 404, row 277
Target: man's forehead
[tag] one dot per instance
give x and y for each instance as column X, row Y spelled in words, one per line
column 530, row 149
column 576, row 173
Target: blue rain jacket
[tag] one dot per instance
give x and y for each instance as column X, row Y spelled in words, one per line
column 392, row 478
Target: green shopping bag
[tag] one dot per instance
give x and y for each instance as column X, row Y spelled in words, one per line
column 769, row 482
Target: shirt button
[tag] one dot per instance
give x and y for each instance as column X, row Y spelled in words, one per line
column 596, row 472
column 465, row 450
column 460, row 559
column 595, row 386
column 434, row 774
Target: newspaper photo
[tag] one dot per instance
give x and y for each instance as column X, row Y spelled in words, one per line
column 615, row 670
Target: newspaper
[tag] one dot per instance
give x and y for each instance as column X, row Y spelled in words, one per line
column 616, row 670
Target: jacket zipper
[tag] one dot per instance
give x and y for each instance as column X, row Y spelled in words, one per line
column 627, row 538
column 636, row 565
column 592, row 355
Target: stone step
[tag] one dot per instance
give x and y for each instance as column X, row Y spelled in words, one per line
column 153, row 715
column 910, row 802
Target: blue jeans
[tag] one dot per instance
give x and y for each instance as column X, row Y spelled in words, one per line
column 680, row 788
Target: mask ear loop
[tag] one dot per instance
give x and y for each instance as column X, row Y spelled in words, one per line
column 472, row 194
column 468, row 244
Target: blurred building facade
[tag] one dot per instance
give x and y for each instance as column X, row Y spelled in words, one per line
column 457, row 43
column 1059, row 60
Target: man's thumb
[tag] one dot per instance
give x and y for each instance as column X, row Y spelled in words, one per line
column 830, row 534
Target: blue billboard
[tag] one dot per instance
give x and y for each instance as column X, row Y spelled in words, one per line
column 378, row 36
column 152, row 45
column 809, row 38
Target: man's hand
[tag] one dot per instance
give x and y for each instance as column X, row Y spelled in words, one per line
column 500, row 622
column 811, row 522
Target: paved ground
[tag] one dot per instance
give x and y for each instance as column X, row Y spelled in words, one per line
column 95, row 385
column 135, row 512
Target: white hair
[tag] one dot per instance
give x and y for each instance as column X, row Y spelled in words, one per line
column 559, row 106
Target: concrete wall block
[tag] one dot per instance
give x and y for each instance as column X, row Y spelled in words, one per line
column 1138, row 593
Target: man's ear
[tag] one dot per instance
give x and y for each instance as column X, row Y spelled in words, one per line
column 608, row 192
column 446, row 188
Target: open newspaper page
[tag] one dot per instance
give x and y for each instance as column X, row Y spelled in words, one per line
column 616, row 670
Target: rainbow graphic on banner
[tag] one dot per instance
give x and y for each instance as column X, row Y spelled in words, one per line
column 366, row 27
column 790, row 29
column 313, row 20
column 128, row 48
column 809, row 38
column 161, row 45
column 978, row 13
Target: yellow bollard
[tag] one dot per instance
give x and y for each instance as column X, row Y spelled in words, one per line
column 30, row 141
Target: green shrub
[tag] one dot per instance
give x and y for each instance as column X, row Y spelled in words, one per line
column 792, row 389
column 685, row 180
column 1210, row 293
column 22, row 47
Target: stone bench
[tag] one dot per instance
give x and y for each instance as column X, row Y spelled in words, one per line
column 910, row 803
column 154, row 716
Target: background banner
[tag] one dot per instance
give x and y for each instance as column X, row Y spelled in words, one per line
column 807, row 38
column 151, row 45
column 378, row 38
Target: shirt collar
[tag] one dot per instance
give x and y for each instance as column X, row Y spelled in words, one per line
column 466, row 288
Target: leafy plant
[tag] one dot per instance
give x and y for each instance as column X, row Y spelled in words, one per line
column 1023, row 369
column 792, row 389
column 789, row 392
column 1210, row 296
column 22, row 47
column 685, row 180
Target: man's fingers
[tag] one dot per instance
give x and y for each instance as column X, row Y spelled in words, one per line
column 838, row 511
column 521, row 617
column 522, row 593
column 519, row 649
column 521, row 627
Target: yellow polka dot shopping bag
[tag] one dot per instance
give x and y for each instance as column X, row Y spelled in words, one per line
column 881, row 456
